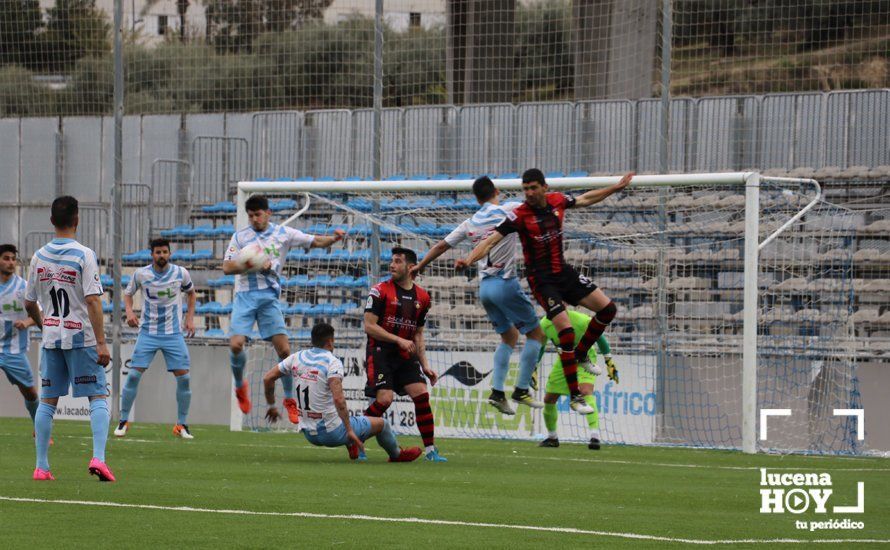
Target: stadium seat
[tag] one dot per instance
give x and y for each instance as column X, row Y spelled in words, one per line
column 224, row 281
column 282, row 204
column 215, row 333
column 140, row 256
column 323, row 310
column 297, row 309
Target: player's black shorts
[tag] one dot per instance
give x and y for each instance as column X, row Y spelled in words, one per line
column 387, row 370
column 566, row 286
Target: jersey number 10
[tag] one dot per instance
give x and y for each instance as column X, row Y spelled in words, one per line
column 61, row 303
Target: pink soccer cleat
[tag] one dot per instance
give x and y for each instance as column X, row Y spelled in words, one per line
column 43, row 475
column 100, row 470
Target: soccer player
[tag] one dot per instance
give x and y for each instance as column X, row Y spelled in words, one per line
column 162, row 284
column 508, row 307
column 556, row 382
column 257, row 294
column 318, row 376
column 14, row 338
column 64, row 279
column 396, row 353
column 538, row 221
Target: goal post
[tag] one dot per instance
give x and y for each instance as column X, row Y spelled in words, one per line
column 730, row 322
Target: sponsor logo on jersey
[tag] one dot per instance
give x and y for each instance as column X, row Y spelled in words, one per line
column 14, row 306
column 73, row 325
column 91, row 379
column 50, row 322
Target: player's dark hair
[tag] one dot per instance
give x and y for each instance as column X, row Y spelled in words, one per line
column 410, row 255
column 533, row 174
column 484, row 189
column 4, row 248
column 159, row 242
column 257, row 202
column 321, row 333
column 64, row 211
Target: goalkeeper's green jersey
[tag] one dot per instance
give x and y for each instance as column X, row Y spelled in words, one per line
column 579, row 325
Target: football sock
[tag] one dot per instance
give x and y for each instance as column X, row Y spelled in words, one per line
column 567, row 358
column 43, row 429
column 128, row 395
column 424, row 416
column 376, row 409
column 32, row 407
column 501, row 366
column 595, row 329
column 593, row 419
column 387, row 440
column 238, row 360
column 527, row 361
column 183, row 398
column 551, row 415
column 99, row 420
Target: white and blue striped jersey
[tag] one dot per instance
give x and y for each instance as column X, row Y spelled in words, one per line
column 12, row 309
column 62, row 274
column 161, row 297
column 501, row 260
column 311, row 369
column 276, row 240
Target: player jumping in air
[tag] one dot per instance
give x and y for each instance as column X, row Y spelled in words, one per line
column 318, row 379
column 508, row 307
column 256, row 294
column 162, row 284
column 14, row 331
column 556, row 382
column 64, row 279
column 538, row 221
column 396, row 353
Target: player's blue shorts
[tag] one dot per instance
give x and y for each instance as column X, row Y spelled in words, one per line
column 507, row 305
column 361, row 425
column 77, row 367
column 176, row 354
column 17, row 369
column 260, row 306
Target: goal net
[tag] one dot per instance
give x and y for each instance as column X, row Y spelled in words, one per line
column 670, row 251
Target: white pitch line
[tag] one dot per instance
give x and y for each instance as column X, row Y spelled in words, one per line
column 449, row 523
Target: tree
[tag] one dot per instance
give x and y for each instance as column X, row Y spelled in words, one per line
column 74, row 29
column 233, row 25
column 20, row 24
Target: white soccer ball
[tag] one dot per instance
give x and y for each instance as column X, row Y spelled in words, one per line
column 252, row 257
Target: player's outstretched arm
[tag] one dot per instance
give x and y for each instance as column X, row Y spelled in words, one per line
column 324, row 241
column 481, row 250
column 380, row 334
column 34, row 313
column 97, row 319
column 336, row 387
column 598, row 195
column 440, row 248
column 269, row 379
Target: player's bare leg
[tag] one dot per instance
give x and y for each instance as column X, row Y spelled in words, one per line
column 282, row 347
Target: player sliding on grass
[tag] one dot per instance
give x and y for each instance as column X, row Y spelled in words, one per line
column 396, row 353
column 64, row 279
column 556, row 382
column 538, row 221
column 318, row 377
column 162, row 284
column 507, row 306
column 257, row 293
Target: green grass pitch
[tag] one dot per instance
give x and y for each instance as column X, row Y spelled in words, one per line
column 261, row 490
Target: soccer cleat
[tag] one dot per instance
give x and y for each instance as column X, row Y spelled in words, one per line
column 549, row 442
column 612, row 369
column 533, row 384
column 122, row 429
column 579, row 405
column 182, row 430
column 407, row 455
column 243, row 398
column 43, row 475
column 594, row 444
column 434, row 456
column 500, row 403
column 590, row 367
column 293, row 413
column 524, row 398
column 354, row 452
column 100, row 470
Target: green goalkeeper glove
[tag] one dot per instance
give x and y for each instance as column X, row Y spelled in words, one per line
column 612, row 370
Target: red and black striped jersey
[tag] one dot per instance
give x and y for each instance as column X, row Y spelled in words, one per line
column 540, row 231
column 399, row 311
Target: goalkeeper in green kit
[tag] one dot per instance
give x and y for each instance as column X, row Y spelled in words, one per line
column 557, row 385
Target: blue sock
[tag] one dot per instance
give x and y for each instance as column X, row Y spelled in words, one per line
column 43, row 430
column 183, row 398
column 527, row 361
column 32, row 407
column 287, row 382
column 99, row 419
column 387, row 440
column 128, row 395
column 238, row 361
column 501, row 366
